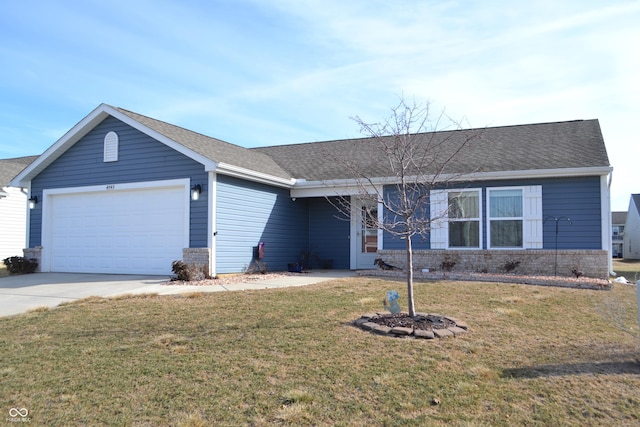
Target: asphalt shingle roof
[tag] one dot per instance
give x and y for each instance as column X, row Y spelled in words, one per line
column 618, row 218
column 212, row 148
column 559, row 145
column 9, row 168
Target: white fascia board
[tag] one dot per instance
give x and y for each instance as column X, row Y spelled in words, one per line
column 337, row 188
column 85, row 126
column 342, row 187
column 60, row 146
column 541, row 173
column 251, row 175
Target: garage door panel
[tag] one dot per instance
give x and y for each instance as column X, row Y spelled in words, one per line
column 129, row 231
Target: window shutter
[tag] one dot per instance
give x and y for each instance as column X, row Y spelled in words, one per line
column 532, row 224
column 439, row 229
column 111, row 147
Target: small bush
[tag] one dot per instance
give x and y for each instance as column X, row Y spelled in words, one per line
column 188, row 272
column 256, row 267
column 20, row 265
column 510, row 265
column 447, row 264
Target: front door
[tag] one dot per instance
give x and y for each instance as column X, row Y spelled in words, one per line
column 364, row 239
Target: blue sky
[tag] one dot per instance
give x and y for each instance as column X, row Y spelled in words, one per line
column 272, row 72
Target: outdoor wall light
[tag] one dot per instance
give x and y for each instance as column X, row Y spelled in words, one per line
column 33, row 201
column 195, row 192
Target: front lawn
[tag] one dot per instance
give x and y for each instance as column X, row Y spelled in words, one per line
column 629, row 268
column 534, row 356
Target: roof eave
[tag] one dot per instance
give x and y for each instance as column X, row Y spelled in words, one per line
column 250, row 175
column 328, row 188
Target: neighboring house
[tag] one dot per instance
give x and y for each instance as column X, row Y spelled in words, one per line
column 13, row 208
column 125, row 193
column 631, row 247
column 618, row 220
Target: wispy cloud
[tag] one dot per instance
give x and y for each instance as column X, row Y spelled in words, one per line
column 258, row 72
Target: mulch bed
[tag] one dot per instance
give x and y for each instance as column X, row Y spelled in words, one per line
column 426, row 322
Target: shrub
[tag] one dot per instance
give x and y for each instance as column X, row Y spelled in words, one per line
column 180, row 271
column 447, row 263
column 20, row 265
column 256, row 267
column 510, row 265
column 188, row 272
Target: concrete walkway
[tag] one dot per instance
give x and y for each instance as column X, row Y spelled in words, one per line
column 19, row 294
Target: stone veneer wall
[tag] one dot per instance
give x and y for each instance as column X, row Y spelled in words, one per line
column 198, row 257
column 592, row 263
column 34, row 253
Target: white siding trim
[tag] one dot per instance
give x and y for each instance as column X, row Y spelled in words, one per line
column 380, row 221
column 212, row 222
column 605, row 215
column 353, row 235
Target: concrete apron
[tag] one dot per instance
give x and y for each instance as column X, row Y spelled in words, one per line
column 19, row 294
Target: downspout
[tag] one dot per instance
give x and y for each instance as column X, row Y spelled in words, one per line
column 212, row 231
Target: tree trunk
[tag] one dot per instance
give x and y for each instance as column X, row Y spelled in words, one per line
column 410, row 302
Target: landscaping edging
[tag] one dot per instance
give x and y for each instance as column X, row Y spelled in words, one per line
column 457, row 328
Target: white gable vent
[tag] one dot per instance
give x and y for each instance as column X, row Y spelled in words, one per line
column 111, row 147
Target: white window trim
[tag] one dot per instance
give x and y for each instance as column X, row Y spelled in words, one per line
column 531, row 217
column 440, row 220
column 489, row 218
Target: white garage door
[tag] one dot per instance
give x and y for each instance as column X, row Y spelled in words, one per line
column 119, row 231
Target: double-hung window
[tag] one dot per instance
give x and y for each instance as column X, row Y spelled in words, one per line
column 464, row 218
column 512, row 219
column 506, row 217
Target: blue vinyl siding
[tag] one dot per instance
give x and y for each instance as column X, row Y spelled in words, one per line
column 141, row 158
column 576, row 198
column 249, row 213
column 394, row 242
column 328, row 233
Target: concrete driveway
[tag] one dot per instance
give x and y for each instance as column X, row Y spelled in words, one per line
column 20, row 293
column 23, row 292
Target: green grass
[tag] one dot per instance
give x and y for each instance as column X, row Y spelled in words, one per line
column 534, row 356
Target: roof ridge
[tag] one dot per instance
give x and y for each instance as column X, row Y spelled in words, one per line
column 472, row 129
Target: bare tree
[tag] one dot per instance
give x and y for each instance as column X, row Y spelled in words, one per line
column 408, row 155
